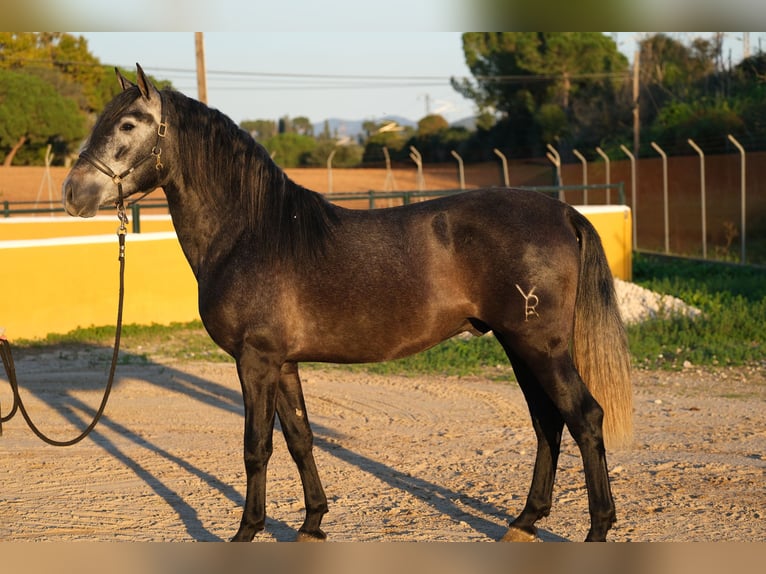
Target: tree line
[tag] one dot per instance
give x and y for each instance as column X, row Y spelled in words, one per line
column 574, row 90
column 577, row 91
column 51, row 91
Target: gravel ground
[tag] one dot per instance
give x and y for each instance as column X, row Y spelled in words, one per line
column 402, row 458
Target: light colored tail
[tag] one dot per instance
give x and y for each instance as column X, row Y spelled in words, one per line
column 600, row 345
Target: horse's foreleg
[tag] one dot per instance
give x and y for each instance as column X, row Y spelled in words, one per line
column 291, row 409
column 259, row 377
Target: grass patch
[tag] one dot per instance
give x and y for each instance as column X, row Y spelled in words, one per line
column 731, row 330
column 185, row 341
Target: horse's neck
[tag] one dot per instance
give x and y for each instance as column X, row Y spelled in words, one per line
column 205, row 233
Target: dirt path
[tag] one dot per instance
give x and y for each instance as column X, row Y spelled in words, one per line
column 402, row 458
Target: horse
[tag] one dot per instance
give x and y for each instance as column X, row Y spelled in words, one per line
column 285, row 276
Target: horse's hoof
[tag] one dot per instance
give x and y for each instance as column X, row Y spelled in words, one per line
column 516, row 534
column 317, row 536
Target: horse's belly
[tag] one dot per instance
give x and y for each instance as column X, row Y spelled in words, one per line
column 360, row 342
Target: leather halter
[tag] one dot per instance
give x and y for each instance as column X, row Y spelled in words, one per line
column 156, row 153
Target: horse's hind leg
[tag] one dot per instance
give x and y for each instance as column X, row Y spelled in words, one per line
column 548, row 426
column 556, row 375
column 291, row 409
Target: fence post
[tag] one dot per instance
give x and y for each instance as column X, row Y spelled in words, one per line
column 658, row 149
column 135, row 212
column 608, row 177
column 418, row 159
column 390, row 183
column 329, row 170
column 703, row 195
column 743, row 218
column 633, row 193
column 461, row 173
column 554, row 157
column 504, row 161
column 584, row 162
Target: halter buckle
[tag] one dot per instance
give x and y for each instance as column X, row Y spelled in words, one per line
column 157, row 153
column 122, row 216
column 162, row 129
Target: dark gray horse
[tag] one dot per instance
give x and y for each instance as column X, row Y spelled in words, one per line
column 284, row 277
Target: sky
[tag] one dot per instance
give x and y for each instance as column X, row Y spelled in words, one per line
column 262, row 75
column 352, row 75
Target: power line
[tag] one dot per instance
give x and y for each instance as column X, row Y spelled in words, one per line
column 380, row 79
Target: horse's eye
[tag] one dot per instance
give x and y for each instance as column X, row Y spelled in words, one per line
column 126, row 127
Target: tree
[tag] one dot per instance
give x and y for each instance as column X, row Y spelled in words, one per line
column 435, row 139
column 346, row 155
column 32, row 111
column 432, row 124
column 260, row 129
column 673, row 72
column 290, row 149
column 385, row 134
column 749, row 87
column 523, row 74
column 62, row 60
column 302, row 125
column 687, row 93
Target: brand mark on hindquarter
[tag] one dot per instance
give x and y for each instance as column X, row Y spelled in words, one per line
column 530, row 302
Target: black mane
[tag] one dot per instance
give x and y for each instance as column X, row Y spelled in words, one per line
column 285, row 219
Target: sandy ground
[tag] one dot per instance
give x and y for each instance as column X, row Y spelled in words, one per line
column 402, row 458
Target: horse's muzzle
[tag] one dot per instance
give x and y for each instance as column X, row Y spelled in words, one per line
column 78, row 204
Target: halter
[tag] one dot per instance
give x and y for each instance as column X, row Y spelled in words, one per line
column 156, row 153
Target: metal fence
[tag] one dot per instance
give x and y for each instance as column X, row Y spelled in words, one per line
column 370, row 199
column 668, row 192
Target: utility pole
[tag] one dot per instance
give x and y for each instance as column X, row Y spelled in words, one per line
column 201, row 76
column 427, row 98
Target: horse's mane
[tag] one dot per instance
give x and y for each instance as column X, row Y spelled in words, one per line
column 284, row 219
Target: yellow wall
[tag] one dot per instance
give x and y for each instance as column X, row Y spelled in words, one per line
column 614, row 225
column 56, row 284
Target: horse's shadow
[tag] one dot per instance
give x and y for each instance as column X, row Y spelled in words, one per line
column 471, row 510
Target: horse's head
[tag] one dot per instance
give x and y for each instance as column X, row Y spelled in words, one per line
column 123, row 152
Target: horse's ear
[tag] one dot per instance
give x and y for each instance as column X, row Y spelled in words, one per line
column 124, row 82
column 144, row 85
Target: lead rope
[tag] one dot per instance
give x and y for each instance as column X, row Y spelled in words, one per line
column 5, row 347
column 10, row 368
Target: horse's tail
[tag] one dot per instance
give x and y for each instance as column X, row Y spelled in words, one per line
column 600, row 345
